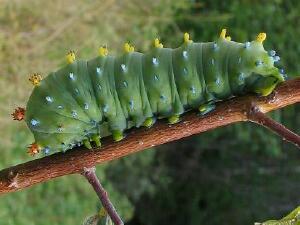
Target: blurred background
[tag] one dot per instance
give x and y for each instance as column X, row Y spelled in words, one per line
column 233, row 175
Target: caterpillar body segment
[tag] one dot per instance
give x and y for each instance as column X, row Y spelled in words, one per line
column 160, row 83
column 131, row 87
column 101, row 71
column 87, row 100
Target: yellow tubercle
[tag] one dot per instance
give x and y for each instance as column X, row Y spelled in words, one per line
column 128, row 48
column 157, row 43
column 223, row 33
column 35, row 79
column 70, row 57
column 186, row 38
column 261, row 37
column 103, row 51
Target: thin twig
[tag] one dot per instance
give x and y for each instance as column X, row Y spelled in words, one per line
column 90, row 175
column 256, row 116
column 73, row 161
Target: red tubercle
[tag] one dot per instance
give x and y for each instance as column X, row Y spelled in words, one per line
column 33, row 149
column 18, row 114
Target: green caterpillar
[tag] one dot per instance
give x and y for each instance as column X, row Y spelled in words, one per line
column 86, row 100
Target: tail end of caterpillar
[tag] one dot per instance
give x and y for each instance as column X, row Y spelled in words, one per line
column 71, row 57
column 18, row 114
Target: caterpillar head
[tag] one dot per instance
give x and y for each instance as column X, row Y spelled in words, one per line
column 260, row 64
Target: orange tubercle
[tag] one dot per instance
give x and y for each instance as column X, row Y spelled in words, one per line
column 33, row 149
column 18, row 114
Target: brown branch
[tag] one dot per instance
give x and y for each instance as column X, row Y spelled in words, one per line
column 256, row 116
column 60, row 164
column 90, row 175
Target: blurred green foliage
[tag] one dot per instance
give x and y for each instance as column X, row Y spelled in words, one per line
column 232, row 175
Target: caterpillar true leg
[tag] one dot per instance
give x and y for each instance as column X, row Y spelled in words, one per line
column 265, row 85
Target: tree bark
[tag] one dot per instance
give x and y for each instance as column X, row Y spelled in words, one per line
column 234, row 110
